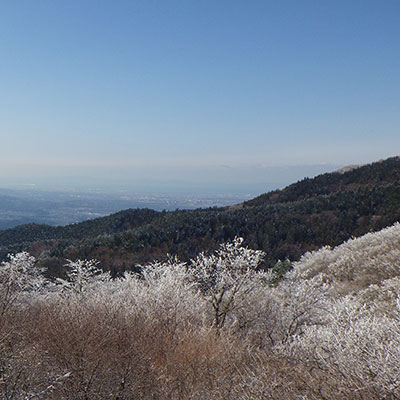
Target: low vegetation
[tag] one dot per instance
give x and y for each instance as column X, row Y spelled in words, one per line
column 214, row 327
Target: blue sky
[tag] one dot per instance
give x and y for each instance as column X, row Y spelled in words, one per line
column 185, row 90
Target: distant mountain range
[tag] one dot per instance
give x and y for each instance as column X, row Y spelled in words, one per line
column 325, row 210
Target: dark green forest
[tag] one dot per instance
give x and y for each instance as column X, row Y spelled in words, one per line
column 325, row 210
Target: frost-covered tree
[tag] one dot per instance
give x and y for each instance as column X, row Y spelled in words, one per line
column 83, row 275
column 21, row 283
column 228, row 277
column 18, row 275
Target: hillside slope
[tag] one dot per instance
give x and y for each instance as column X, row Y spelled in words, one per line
column 358, row 337
column 355, row 264
column 373, row 175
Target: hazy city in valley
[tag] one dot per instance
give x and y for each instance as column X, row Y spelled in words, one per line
column 24, row 206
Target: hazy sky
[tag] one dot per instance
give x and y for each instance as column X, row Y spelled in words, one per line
column 180, row 86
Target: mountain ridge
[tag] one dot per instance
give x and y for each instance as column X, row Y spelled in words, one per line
column 325, row 210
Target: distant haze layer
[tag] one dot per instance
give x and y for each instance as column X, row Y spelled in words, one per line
column 244, row 179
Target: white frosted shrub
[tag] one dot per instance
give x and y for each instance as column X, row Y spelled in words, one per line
column 20, row 273
column 164, row 291
column 221, row 289
column 83, row 275
column 360, row 346
column 299, row 303
column 356, row 263
column 231, row 284
column 358, row 337
column 20, row 282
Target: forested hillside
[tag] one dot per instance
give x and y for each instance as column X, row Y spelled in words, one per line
column 367, row 176
column 325, row 210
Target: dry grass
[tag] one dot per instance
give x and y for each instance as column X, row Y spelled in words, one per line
column 80, row 350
